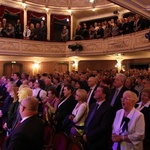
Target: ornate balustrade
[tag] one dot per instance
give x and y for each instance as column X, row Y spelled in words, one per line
column 124, row 43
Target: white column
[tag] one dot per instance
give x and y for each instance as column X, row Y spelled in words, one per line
column 71, row 28
column 25, row 16
column 48, row 23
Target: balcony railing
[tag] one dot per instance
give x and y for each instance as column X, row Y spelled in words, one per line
column 123, row 43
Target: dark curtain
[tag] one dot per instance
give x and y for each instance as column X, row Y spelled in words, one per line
column 34, row 17
column 13, row 14
column 57, row 23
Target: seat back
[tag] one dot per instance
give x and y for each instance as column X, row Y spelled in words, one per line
column 49, row 133
column 60, row 141
column 75, row 145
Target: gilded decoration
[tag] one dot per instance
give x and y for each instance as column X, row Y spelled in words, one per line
column 32, row 47
column 9, row 46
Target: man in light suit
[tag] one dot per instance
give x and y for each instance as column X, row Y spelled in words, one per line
column 98, row 125
column 28, row 135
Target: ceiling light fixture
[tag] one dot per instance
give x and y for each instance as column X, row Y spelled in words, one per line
column 91, row 1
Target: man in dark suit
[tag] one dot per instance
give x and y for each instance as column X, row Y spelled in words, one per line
column 144, row 107
column 92, row 83
column 98, row 125
column 16, row 77
column 117, row 92
column 28, row 135
column 65, row 107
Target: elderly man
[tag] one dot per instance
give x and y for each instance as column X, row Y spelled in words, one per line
column 28, row 135
column 117, row 92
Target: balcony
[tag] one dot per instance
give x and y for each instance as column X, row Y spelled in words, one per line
column 134, row 42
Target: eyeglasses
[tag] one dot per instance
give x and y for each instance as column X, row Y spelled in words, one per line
column 125, row 98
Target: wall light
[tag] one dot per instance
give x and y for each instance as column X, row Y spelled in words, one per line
column 24, row 5
column 36, row 66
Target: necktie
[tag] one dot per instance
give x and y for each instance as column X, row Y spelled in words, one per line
column 114, row 97
column 90, row 117
column 124, row 124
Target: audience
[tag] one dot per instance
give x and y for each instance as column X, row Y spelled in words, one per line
column 68, row 115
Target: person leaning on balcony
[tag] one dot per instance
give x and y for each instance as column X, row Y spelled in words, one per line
column 26, row 33
column 64, row 34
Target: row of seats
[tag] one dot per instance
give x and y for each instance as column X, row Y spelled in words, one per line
column 59, row 140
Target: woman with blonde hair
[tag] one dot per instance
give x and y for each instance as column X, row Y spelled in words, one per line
column 129, row 125
column 79, row 114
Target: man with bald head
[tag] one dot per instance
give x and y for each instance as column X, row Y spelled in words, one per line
column 92, row 83
column 28, row 135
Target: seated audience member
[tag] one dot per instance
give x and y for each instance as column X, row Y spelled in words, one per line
column 37, row 32
column 64, row 34
column 5, row 26
column 27, row 33
column 40, row 94
column 32, row 31
column 16, row 78
column 29, row 133
column 10, row 31
column 18, row 30
column 107, row 31
column 85, row 32
column 129, row 125
column 7, row 102
column 144, row 107
column 50, row 104
column 78, row 35
column 129, row 83
column 23, row 93
column 137, row 23
column 65, row 107
column 98, row 124
column 91, row 32
column 3, row 89
column 115, row 30
column 75, row 122
column 12, row 111
column 100, row 32
column 43, row 31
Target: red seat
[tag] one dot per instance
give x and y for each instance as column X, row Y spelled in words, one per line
column 60, row 141
column 49, row 133
column 74, row 145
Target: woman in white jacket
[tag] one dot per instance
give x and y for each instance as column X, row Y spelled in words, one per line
column 129, row 125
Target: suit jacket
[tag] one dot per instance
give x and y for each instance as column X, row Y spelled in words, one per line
column 92, row 99
column 100, row 127
column 146, row 113
column 64, row 110
column 18, row 83
column 117, row 104
column 26, row 136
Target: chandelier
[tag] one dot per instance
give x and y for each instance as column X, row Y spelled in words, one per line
column 91, row 1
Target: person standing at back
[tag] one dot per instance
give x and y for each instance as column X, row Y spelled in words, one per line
column 28, row 135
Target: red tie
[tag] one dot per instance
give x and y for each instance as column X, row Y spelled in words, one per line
column 17, row 124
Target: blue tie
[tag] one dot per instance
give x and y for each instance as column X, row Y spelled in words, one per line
column 90, row 117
